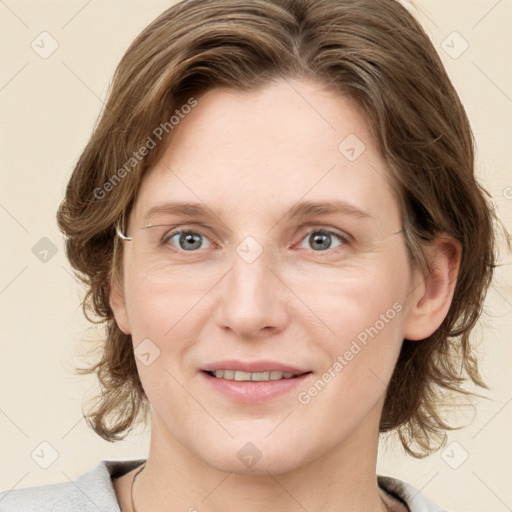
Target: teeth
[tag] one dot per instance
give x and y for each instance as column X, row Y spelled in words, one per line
column 259, row 376
column 229, row 374
column 242, row 375
column 239, row 375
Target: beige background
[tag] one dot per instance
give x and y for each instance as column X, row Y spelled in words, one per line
column 48, row 108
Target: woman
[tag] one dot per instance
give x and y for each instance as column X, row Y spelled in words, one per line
column 277, row 218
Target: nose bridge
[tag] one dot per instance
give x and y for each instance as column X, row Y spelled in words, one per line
column 251, row 299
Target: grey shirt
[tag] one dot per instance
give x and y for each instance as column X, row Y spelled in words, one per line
column 93, row 491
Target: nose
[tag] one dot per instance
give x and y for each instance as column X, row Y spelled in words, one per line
column 252, row 299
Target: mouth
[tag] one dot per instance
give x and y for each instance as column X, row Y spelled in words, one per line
column 242, row 376
column 255, row 382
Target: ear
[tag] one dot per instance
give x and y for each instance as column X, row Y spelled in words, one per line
column 118, row 306
column 432, row 296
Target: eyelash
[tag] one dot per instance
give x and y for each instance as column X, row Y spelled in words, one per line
column 344, row 239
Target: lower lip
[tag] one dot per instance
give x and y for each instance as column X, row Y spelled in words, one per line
column 254, row 392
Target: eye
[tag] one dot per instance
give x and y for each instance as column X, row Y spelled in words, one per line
column 187, row 240
column 319, row 240
column 323, row 240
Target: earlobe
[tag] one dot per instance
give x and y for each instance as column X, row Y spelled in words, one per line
column 433, row 293
column 118, row 306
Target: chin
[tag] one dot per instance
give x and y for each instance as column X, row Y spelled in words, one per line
column 266, row 465
column 260, row 457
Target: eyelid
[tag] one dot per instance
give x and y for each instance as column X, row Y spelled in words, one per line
column 180, row 227
column 315, row 226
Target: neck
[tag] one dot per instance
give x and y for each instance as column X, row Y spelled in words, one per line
column 342, row 480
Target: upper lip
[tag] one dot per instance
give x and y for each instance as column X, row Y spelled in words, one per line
column 253, row 366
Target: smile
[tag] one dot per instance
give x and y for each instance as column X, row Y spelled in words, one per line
column 240, row 375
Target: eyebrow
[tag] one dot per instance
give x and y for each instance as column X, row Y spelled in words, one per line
column 311, row 208
column 300, row 210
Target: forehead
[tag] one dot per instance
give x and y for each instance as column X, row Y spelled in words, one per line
column 261, row 150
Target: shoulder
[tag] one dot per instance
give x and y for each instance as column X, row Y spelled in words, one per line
column 91, row 491
column 408, row 494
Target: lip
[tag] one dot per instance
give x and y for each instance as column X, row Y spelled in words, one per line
column 252, row 366
column 253, row 392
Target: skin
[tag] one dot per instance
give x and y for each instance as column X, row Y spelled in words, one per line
column 250, row 157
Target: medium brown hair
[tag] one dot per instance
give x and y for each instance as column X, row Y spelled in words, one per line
column 373, row 52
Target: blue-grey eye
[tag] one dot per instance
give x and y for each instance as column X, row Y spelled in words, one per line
column 188, row 240
column 320, row 240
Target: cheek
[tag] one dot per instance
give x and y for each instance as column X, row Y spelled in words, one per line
column 348, row 303
column 166, row 320
column 162, row 311
column 361, row 315
column 164, row 323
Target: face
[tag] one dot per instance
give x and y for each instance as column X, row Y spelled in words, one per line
column 264, row 281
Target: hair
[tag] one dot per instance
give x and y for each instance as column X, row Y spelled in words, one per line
column 374, row 53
